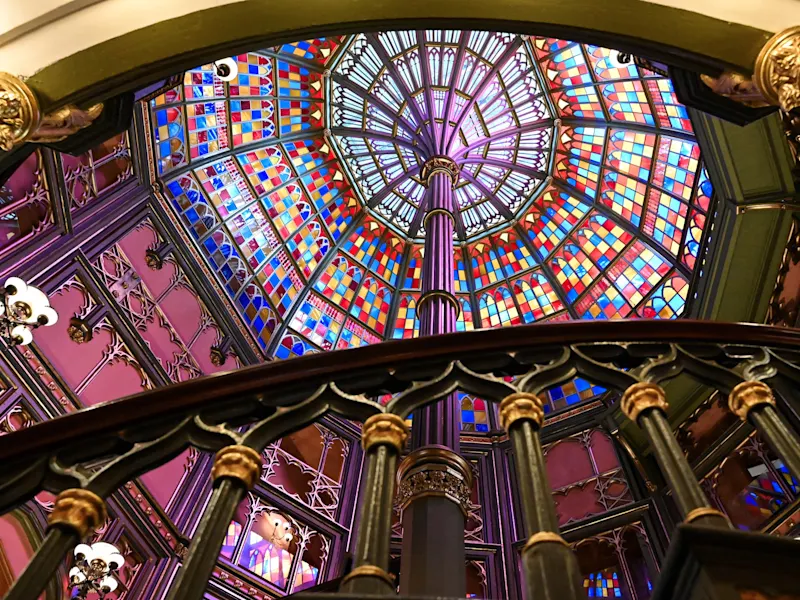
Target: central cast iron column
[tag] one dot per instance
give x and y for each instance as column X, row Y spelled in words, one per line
column 437, row 307
column 434, row 481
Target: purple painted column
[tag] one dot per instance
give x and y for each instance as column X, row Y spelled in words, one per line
column 437, row 308
column 434, row 480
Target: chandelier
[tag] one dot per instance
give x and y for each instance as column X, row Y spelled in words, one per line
column 23, row 308
column 94, row 568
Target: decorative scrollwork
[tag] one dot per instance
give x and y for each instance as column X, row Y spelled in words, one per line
column 777, row 71
column 21, row 119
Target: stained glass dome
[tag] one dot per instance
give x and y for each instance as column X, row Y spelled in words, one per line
column 581, row 195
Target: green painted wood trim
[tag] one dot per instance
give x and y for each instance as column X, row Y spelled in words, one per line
column 135, row 59
column 746, row 164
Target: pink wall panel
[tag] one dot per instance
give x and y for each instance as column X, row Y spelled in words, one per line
column 567, row 462
column 15, row 545
column 603, row 452
column 577, row 503
column 72, row 361
column 163, row 481
column 115, row 380
column 135, row 244
column 184, row 312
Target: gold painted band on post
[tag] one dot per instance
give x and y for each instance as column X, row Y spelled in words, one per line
column 703, row 511
column 384, row 429
column 521, row 405
column 544, row 537
column 237, row 462
column 641, row 396
column 439, row 294
column 438, row 211
column 368, row 571
column 747, row 395
column 434, row 471
column 80, row 510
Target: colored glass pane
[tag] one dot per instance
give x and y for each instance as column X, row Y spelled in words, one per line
column 406, row 324
column 497, row 308
column 474, row 416
column 267, row 214
column 536, row 297
column 604, row 584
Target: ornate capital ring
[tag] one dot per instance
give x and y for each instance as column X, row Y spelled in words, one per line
column 439, row 294
column 79, row 510
column 440, row 164
column 434, row 471
column 237, row 462
column 521, row 406
column 384, row 429
column 747, row 395
column 703, row 511
column 641, row 396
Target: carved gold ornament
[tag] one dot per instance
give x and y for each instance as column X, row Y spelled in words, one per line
column 737, row 87
column 217, row 356
column 777, row 70
column 544, row 537
column 384, row 429
column 79, row 510
column 21, row 119
column 747, row 395
column 368, row 571
column 521, row 406
column 434, row 471
column 641, row 396
column 79, row 331
column 440, row 164
column 237, row 462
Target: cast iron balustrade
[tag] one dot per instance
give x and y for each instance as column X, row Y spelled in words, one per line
column 134, row 435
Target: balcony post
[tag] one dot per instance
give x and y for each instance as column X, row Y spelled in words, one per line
column 236, row 470
column 76, row 514
column 383, row 438
column 551, row 569
column 433, row 556
column 646, row 404
column 753, row 401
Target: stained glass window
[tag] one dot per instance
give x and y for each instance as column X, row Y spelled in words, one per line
column 604, row 584
column 474, row 415
column 581, row 193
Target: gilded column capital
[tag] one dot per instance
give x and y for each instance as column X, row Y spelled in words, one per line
column 80, row 510
column 384, row 429
column 521, row 405
column 777, row 69
column 434, row 471
column 641, row 396
column 747, row 395
column 237, row 462
column 440, row 164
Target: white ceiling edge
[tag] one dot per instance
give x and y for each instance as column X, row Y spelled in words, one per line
column 35, row 34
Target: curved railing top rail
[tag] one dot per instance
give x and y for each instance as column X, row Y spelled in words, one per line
column 199, row 394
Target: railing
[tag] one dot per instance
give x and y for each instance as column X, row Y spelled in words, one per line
column 134, row 435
